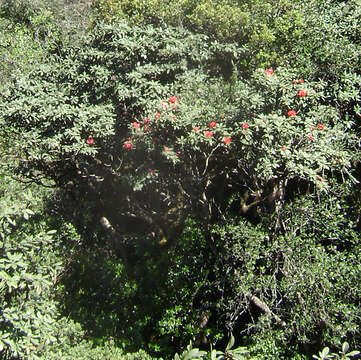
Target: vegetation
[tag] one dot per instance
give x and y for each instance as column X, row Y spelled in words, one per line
column 180, row 180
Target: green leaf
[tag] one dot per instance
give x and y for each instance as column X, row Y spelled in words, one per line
column 230, row 343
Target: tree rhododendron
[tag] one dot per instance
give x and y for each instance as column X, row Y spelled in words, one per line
column 136, row 125
column 320, row 126
column 208, row 133
column 196, row 128
column 157, row 115
column 269, row 72
column 245, row 126
column 212, row 124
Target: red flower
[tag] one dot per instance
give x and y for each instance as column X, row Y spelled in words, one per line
column 136, row 125
column 90, row 141
column 146, row 128
column 302, row 93
column 269, row 72
column 310, row 137
column 208, row 134
column 157, row 115
column 173, row 99
column 128, row 145
column 196, row 128
column 152, row 172
column 299, row 81
column 166, row 148
column 146, row 121
column 319, row 178
column 283, row 148
column 320, row 126
column 245, row 126
column 227, row 140
column 212, row 124
column 291, row 113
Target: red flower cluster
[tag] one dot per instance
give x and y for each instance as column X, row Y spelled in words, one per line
column 299, row 81
column 245, row 126
column 136, row 125
column 157, row 115
column 208, row 134
column 291, row 113
column 320, row 126
column 90, row 141
column 302, row 93
column 227, row 140
column 269, row 72
column 173, row 99
column 128, row 145
column 212, row 124
column 196, row 128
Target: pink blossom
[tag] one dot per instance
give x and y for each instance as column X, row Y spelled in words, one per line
column 90, row 141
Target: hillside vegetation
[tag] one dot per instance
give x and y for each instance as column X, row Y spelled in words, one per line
column 180, row 180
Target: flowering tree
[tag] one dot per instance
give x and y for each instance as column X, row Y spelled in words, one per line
column 134, row 126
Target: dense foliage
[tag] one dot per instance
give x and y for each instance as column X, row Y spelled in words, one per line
column 173, row 172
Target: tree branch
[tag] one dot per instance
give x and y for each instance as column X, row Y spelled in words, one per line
column 264, row 307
